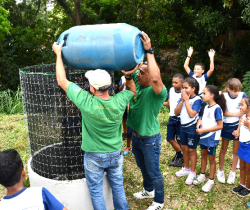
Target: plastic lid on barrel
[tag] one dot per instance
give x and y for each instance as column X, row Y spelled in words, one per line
column 138, row 49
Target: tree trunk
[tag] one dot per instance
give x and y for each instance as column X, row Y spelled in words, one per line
column 25, row 13
column 38, row 8
column 78, row 12
column 75, row 14
column 24, row 17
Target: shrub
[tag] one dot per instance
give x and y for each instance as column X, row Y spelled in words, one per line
column 241, row 53
column 246, row 83
column 11, row 102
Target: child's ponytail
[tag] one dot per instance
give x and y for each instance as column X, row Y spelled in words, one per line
column 222, row 102
column 219, row 99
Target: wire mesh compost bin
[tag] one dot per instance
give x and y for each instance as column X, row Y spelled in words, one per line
column 53, row 123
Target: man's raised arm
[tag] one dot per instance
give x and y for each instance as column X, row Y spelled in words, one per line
column 130, row 85
column 153, row 69
column 60, row 71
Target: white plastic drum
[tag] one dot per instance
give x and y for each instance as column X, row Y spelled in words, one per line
column 74, row 194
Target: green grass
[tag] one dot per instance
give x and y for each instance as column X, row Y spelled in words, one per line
column 11, row 102
column 177, row 194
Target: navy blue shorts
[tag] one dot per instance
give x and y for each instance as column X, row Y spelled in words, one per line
column 189, row 139
column 210, row 150
column 226, row 132
column 173, row 129
column 244, row 151
column 125, row 114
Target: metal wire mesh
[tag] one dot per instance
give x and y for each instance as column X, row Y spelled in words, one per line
column 53, row 122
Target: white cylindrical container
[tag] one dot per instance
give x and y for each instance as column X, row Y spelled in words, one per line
column 74, row 194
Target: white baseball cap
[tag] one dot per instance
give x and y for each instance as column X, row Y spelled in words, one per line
column 99, row 79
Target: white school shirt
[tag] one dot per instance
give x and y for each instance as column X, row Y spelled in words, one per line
column 202, row 80
column 244, row 132
column 33, row 198
column 174, row 98
column 209, row 120
column 195, row 103
column 233, row 105
column 122, row 80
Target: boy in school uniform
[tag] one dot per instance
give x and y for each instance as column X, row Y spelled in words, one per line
column 173, row 127
column 12, row 174
column 199, row 69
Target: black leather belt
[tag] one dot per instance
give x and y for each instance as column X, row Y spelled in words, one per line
column 137, row 135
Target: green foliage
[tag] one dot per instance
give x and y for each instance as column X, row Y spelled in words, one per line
column 245, row 10
column 246, row 83
column 227, row 3
column 241, row 53
column 23, row 14
column 105, row 11
column 25, row 47
column 164, row 109
column 153, row 17
column 5, row 24
column 11, row 102
column 210, row 21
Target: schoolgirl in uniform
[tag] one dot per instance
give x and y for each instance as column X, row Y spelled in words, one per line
column 209, row 129
column 188, row 108
column 243, row 189
column 232, row 115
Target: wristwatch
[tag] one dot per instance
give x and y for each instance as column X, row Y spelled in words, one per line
column 151, row 51
column 130, row 77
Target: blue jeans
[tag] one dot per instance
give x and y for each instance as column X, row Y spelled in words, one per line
column 94, row 165
column 147, row 156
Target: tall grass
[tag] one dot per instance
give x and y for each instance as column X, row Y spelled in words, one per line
column 11, row 102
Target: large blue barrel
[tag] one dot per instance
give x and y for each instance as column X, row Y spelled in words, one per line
column 107, row 46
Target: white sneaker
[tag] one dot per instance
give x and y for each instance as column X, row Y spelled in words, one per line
column 144, row 194
column 156, row 206
column 238, row 164
column 182, row 172
column 231, row 178
column 208, row 186
column 190, row 179
column 201, row 178
column 221, row 176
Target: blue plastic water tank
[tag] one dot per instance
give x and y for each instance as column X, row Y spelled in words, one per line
column 108, row 46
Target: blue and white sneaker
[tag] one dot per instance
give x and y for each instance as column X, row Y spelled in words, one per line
column 126, row 151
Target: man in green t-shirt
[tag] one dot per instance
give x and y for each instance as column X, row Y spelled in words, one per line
column 101, row 129
column 143, row 119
